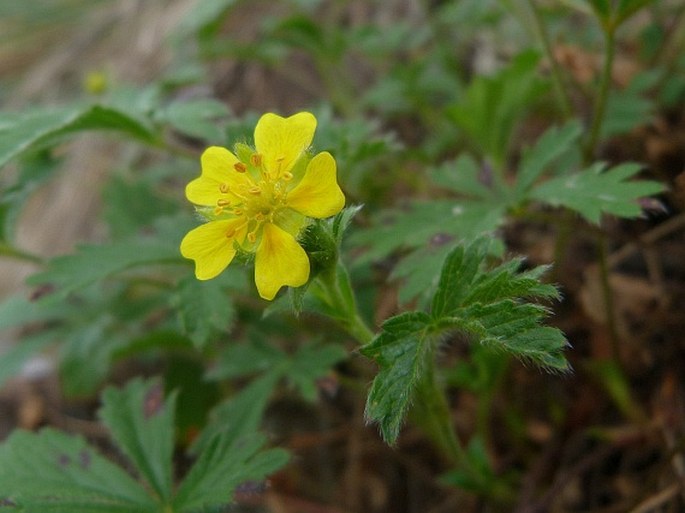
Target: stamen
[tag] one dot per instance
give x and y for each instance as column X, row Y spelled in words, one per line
column 256, row 191
column 223, row 188
column 230, row 233
column 237, row 212
column 240, row 167
column 223, row 202
column 256, row 160
column 287, row 176
column 259, row 216
column 252, row 237
column 218, row 211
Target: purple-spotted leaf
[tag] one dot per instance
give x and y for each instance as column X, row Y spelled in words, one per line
column 52, row 472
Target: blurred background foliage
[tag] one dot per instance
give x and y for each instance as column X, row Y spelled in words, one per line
column 448, row 120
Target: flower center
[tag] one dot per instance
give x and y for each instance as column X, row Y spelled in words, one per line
column 255, row 196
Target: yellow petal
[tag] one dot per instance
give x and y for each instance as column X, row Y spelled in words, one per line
column 279, row 261
column 318, row 194
column 210, row 246
column 217, row 169
column 281, row 141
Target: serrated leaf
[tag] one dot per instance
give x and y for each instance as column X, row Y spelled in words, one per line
column 93, row 263
column 16, row 311
column 552, row 144
column 141, row 422
column 490, row 306
column 132, row 205
column 493, row 105
column 401, row 350
column 310, row 363
column 86, row 357
column 196, row 118
column 458, row 273
column 595, row 190
column 39, row 128
column 241, row 414
column 245, row 359
column 419, row 224
column 205, row 309
column 463, row 176
column 51, row 472
column 225, row 463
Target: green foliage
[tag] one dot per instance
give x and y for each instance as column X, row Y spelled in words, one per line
column 94, row 263
column 437, row 146
column 30, row 130
column 491, row 307
column 75, row 477
column 492, row 106
column 141, row 422
column 204, row 309
column 301, row 369
column 196, row 118
column 598, row 190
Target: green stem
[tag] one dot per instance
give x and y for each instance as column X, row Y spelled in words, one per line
column 431, row 411
column 560, row 89
column 603, row 95
column 345, row 304
column 607, row 294
column 11, row 252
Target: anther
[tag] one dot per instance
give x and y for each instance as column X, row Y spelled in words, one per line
column 237, row 212
column 255, row 190
column 256, row 160
column 240, row 167
column 224, row 188
column 252, row 236
column 223, row 202
column 230, row 233
column 287, row 176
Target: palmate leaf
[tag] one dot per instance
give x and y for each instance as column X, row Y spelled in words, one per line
column 223, row 465
column 598, row 190
column 548, row 148
column 493, row 307
column 141, row 422
column 52, row 472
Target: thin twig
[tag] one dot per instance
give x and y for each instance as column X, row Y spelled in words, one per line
column 666, row 228
column 655, row 501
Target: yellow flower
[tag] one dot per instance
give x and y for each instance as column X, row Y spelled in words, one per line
column 260, row 200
